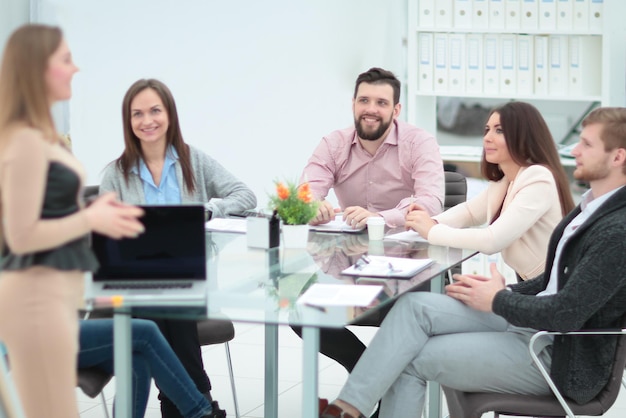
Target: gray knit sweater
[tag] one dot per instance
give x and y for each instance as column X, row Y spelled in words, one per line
column 215, row 186
column 591, row 295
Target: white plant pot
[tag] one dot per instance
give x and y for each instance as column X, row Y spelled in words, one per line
column 295, row 236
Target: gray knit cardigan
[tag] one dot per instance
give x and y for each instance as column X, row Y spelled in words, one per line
column 215, row 186
column 591, row 295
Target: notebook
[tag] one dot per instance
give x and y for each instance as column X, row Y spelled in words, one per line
column 336, row 225
column 167, row 263
column 387, row 267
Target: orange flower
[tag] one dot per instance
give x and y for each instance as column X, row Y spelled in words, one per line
column 304, row 193
column 282, row 191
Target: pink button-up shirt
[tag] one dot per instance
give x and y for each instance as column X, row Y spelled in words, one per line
column 407, row 164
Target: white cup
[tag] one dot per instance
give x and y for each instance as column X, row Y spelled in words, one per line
column 376, row 228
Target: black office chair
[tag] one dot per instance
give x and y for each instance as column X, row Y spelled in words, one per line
column 455, row 189
column 473, row 404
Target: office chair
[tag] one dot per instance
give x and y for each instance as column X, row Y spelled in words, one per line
column 455, row 189
column 210, row 331
column 473, row 404
column 217, row 331
column 92, row 381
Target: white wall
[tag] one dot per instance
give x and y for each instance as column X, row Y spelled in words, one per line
column 257, row 83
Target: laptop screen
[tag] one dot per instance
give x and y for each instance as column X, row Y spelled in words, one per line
column 172, row 247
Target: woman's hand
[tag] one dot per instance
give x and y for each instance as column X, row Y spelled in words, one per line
column 110, row 217
column 419, row 220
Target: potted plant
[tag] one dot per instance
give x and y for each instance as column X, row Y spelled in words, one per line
column 295, row 207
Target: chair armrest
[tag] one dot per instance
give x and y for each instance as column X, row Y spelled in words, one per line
column 542, row 368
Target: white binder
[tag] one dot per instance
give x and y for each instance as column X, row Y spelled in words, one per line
column 547, row 15
column 525, row 64
column 564, row 14
column 528, row 15
column 480, row 13
column 474, row 60
column 585, row 57
column 444, row 15
column 426, row 13
column 456, row 63
column 596, row 15
column 491, row 68
column 463, row 14
column 496, row 14
column 559, row 63
column 425, row 62
column 440, row 72
column 540, row 86
column 508, row 64
column 512, row 10
column 580, row 17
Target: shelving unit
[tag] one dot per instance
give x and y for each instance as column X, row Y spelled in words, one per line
column 601, row 53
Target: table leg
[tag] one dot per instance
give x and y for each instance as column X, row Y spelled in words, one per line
column 123, row 363
column 271, row 370
column 310, row 372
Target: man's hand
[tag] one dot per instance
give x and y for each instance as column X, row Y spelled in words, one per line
column 477, row 291
column 325, row 213
column 356, row 216
column 419, row 220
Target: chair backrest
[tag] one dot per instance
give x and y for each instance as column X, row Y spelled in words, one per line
column 456, row 189
column 608, row 395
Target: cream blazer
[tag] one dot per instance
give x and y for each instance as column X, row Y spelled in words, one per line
column 530, row 212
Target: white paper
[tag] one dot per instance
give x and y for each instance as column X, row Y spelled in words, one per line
column 339, row 295
column 227, row 225
column 390, row 267
column 336, row 225
column 410, row 236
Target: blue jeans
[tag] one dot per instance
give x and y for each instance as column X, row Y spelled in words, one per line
column 152, row 357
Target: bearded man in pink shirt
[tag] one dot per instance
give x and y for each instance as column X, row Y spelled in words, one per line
column 381, row 165
column 376, row 168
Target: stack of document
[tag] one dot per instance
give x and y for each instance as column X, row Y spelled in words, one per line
column 336, row 225
column 392, row 267
column 238, row 225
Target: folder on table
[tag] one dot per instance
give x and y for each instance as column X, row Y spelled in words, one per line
column 496, row 14
column 541, row 56
column 491, row 68
column 596, row 15
column 585, row 64
column 512, row 10
column 426, row 14
column 508, row 66
column 547, row 15
column 559, row 63
column 456, row 62
column 480, row 14
column 580, row 15
column 525, row 64
column 425, row 62
column 474, row 62
column 564, row 13
column 528, row 14
column 444, row 15
column 440, row 73
column 463, row 14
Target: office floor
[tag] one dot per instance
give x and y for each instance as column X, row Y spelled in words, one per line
column 247, row 353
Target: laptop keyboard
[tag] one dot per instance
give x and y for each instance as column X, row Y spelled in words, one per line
column 141, row 286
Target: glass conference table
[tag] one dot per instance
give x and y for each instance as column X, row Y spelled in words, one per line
column 262, row 286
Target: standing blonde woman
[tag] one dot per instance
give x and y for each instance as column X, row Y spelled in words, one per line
column 44, row 224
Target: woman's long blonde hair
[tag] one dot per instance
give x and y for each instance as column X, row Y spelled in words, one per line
column 23, row 90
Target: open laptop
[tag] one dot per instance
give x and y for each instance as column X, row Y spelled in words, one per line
column 164, row 265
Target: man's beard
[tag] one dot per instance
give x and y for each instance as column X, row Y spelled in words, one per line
column 371, row 136
column 598, row 171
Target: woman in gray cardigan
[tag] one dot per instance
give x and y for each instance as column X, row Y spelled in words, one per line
column 158, row 167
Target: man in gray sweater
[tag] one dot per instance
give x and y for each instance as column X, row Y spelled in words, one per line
column 476, row 337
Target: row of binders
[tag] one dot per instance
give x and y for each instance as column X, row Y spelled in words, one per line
column 522, row 64
column 512, row 15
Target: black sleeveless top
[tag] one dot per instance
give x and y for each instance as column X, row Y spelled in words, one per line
column 61, row 191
